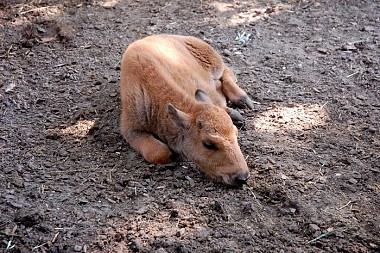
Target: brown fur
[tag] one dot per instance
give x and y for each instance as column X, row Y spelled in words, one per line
column 174, row 91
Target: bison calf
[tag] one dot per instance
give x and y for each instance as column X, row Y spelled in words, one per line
column 174, row 92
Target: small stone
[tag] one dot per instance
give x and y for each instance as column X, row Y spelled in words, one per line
column 372, row 129
column 226, row 52
column 314, row 227
column 322, row 50
column 180, row 232
column 191, row 181
column 63, row 153
column 352, row 181
column 136, row 245
column 356, row 175
column 160, row 250
column 102, row 237
column 293, row 228
column 349, row 187
column 368, row 29
column 299, row 174
column 142, row 210
column 202, row 233
column 322, row 180
column 78, row 248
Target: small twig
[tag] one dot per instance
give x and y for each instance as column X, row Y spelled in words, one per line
column 10, row 246
column 321, row 236
column 7, row 53
column 340, row 208
column 69, row 171
column 11, row 234
column 254, row 196
column 255, row 102
column 117, row 64
column 352, row 74
column 60, row 65
column 323, row 106
column 39, row 246
column 35, row 9
column 55, row 237
column 63, row 228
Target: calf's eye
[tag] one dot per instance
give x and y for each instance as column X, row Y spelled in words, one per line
column 209, row 145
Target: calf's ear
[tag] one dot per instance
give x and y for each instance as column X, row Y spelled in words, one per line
column 200, row 95
column 179, row 117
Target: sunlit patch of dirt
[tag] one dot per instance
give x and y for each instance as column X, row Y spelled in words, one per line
column 107, row 3
column 80, row 129
column 292, row 117
column 255, row 11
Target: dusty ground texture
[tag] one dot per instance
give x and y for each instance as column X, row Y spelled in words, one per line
column 70, row 183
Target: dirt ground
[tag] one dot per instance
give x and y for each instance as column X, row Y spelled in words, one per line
column 70, row 183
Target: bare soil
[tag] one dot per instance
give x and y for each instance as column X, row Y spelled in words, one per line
column 70, row 183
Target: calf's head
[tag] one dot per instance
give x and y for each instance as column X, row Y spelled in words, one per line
column 210, row 140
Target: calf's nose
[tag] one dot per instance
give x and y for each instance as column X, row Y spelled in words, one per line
column 241, row 178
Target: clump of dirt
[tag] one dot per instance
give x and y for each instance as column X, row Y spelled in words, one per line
column 70, row 183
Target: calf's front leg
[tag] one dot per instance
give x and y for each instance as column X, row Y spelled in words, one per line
column 153, row 150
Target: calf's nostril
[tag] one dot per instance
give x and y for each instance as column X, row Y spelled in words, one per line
column 241, row 178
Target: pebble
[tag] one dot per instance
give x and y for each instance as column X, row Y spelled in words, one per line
column 226, row 52
column 314, row 227
column 293, row 228
column 202, row 233
column 142, row 210
column 372, row 129
column 78, row 248
column 356, row 175
column 63, row 153
column 352, row 181
column 299, row 174
column 322, row 180
column 136, row 245
column 349, row 187
column 180, row 232
column 160, row 250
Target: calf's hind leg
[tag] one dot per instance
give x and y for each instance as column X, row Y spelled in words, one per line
column 152, row 149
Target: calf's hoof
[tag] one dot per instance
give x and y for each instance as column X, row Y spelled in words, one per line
column 236, row 117
column 244, row 102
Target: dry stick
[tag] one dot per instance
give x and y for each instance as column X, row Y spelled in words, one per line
column 352, row 74
column 323, row 106
column 35, row 9
column 39, row 246
column 6, row 53
column 68, row 171
column 254, row 196
column 322, row 236
column 340, row 208
column 55, row 237
column 15, row 235
column 60, row 65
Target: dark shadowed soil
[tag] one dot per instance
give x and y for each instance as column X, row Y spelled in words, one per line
column 70, row 183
